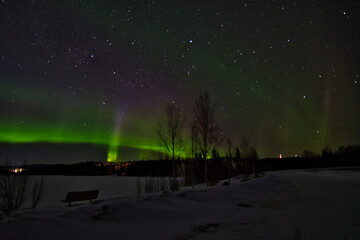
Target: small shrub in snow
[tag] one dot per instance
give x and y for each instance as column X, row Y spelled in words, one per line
column 13, row 192
column 15, row 189
column 105, row 207
column 226, row 183
column 37, row 190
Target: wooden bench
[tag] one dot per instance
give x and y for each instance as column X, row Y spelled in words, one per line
column 80, row 196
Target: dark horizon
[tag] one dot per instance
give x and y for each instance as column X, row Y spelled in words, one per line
column 72, row 153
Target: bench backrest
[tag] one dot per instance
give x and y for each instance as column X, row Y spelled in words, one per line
column 79, row 196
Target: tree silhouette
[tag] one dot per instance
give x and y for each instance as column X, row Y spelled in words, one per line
column 169, row 131
column 16, row 187
column 229, row 157
column 206, row 126
column 253, row 157
column 237, row 159
column 214, row 154
column 244, row 145
column 37, row 190
column 194, row 149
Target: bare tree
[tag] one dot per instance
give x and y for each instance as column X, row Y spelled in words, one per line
column 250, row 156
column 37, row 191
column 169, row 131
column 253, row 156
column 15, row 188
column 206, row 126
column 244, row 146
column 194, row 149
column 138, row 186
column 229, row 157
column 194, row 141
column 12, row 190
column 237, row 160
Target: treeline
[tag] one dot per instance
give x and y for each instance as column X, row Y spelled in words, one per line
column 344, row 156
column 192, row 170
column 224, row 167
column 219, row 167
column 206, row 135
column 78, row 169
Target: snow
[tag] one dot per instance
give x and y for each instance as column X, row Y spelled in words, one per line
column 110, row 186
column 280, row 205
column 56, row 187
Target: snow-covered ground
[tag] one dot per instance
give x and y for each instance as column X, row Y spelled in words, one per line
column 281, row 205
column 57, row 186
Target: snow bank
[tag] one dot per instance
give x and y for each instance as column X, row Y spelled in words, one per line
column 281, row 205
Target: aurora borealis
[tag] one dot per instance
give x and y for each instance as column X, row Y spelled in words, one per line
column 283, row 73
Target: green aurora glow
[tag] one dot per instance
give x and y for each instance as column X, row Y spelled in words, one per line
column 107, row 75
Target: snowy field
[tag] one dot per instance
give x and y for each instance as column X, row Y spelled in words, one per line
column 57, row 186
column 281, row 205
column 109, row 187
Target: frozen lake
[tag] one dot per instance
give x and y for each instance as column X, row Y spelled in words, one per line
column 56, row 187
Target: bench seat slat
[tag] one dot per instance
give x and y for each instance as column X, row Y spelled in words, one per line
column 81, row 196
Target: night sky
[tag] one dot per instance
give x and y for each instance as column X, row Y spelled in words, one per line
column 283, row 73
